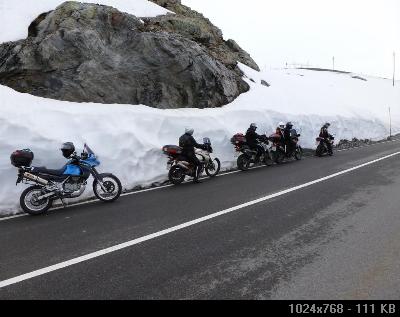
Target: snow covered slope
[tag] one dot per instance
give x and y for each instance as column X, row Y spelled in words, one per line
column 16, row 16
column 128, row 139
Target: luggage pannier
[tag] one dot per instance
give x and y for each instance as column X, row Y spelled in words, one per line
column 238, row 138
column 172, row 150
column 22, row 158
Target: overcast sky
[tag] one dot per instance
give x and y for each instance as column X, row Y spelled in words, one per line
column 361, row 34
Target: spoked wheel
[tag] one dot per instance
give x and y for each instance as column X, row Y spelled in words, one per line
column 319, row 150
column 278, row 157
column 213, row 168
column 268, row 160
column 176, row 175
column 31, row 204
column 243, row 162
column 298, row 155
column 109, row 189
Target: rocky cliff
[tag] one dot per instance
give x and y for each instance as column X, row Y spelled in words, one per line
column 92, row 53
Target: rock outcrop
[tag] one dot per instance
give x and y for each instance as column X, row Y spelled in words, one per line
column 92, row 53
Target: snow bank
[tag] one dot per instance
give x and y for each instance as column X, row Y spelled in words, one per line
column 16, row 16
column 128, row 139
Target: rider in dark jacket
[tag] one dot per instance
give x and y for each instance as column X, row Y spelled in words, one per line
column 290, row 145
column 326, row 136
column 252, row 138
column 188, row 145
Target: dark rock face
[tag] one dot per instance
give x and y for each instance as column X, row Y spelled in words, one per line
column 92, row 53
column 196, row 27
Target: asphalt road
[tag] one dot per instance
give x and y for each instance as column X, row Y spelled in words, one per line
column 338, row 238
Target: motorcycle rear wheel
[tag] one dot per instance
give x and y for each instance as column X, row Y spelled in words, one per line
column 31, row 205
column 243, row 162
column 319, row 151
column 176, row 175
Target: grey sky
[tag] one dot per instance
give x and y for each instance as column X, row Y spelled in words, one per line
column 361, row 34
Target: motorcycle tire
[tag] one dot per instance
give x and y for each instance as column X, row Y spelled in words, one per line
column 176, row 175
column 213, row 168
column 268, row 160
column 243, row 162
column 112, row 185
column 32, row 206
column 278, row 157
column 298, row 155
column 319, row 151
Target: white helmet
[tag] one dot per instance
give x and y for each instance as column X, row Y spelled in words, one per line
column 281, row 125
column 189, row 131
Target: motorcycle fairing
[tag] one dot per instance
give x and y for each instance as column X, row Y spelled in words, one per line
column 73, row 170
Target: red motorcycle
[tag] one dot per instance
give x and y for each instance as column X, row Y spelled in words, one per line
column 279, row 150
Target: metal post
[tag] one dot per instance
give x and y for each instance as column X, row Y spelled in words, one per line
column 390, row 123
column 394, row 66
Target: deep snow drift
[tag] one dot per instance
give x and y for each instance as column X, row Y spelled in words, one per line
column 128, row 139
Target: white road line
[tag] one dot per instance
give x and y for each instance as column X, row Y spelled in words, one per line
column 170, row 185
column 122, row 195
column 131, row 243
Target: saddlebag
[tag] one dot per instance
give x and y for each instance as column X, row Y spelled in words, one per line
column 22, row 158
column 238, row 139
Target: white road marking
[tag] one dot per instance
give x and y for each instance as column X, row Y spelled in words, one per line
column 131, row 243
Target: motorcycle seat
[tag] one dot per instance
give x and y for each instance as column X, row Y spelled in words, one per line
column 44, row 170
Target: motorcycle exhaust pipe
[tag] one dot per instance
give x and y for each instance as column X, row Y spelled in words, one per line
column 183, row 165
column 36, row 179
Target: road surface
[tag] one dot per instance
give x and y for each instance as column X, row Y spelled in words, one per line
column 321, row 228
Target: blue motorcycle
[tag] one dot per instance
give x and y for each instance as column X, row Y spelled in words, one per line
column 68, row 182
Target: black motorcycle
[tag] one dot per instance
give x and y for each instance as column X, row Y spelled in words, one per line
column 248, row 157
column 322, row 148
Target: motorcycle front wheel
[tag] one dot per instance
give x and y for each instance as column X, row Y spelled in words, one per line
column 176, row 175
column 278, row 157
column 111, row 191
column 213, row 168
column 243, row 162
column 298, row 154
column 31, row 205
column 267, row 159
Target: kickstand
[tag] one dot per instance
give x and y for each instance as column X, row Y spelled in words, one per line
column 64, row 205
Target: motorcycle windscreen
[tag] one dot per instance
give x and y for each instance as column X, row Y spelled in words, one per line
column 92, row 160
column 88, row 150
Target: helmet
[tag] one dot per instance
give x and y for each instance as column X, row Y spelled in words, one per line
column 67, row 149
column 281, row 125
column 327, row 125
column 289, row 125
column 253, row 126
column 189, row 131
